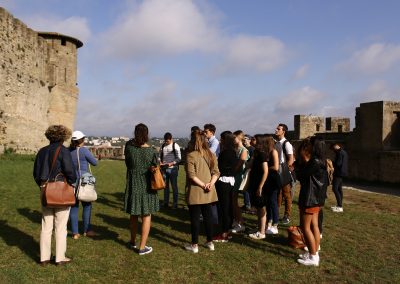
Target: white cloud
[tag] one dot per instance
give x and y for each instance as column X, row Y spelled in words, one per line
column 170, row 27
column 259, row 53
column 158, row 27
column 304, row 100
column 377, row 91
column 73, row 26
column 376, row 58
column 301, row 72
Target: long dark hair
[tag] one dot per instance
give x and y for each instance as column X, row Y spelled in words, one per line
column 262, row 143
column 306, row 147
column 227, row 141
column 319, row 148
column 75, row 143
column 141, row 135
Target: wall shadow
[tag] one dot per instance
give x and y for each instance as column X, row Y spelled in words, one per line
column 14, row 237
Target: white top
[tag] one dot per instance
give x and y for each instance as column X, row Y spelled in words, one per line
column 168, row 154
column 225, row 179
column 289, row 149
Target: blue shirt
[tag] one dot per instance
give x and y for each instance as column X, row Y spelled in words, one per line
column 85, row 157
column 213, row 143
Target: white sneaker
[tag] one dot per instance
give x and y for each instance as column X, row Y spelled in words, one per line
column 192, row 248
column 337, row 209
column 210, row 246
column 237, row 228
column 306, row 255
column 257, row 236
column 273, row 230
column 312, row 260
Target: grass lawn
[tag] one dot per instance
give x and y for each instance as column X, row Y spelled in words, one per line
column 359, row 246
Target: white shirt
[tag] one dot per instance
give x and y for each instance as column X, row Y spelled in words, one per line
column 288, row 148
column 168, row 154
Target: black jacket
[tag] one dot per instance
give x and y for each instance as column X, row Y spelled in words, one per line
column 313, row 183
column 340, row 163
column 63, row 164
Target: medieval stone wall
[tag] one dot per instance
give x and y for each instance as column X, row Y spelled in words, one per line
column 38, row 84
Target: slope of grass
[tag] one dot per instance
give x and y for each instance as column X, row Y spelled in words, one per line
column 359, row 246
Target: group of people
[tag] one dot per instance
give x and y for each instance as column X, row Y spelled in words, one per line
column 72, row 163
column 215, row 173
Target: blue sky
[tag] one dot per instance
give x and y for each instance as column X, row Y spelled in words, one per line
column 248, row 65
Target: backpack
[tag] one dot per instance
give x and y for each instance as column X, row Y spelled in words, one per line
column 284, row 173
column 173, row 150
column 330, row 169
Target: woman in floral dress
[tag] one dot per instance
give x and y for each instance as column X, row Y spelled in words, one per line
column 140, row 200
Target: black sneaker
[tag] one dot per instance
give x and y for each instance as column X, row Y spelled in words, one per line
column 285, row 220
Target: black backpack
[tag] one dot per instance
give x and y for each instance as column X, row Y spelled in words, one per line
column 284, row 173
column 173, row 150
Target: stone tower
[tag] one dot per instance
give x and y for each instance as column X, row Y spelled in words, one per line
column 38, row 83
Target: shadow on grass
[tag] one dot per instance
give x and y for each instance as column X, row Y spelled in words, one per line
column 155, row 233
column 118, row 196
column 14, row 237
column 104, row 233
column 272, row 244
column 34, row 216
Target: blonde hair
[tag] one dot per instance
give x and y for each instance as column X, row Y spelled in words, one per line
column 199, row 143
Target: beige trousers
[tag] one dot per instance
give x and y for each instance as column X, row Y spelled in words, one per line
column 57, row 218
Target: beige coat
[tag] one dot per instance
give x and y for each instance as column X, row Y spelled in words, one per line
column 196, row 166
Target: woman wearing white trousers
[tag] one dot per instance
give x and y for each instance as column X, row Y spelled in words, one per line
column 43, row 171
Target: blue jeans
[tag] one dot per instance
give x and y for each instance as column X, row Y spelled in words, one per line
column 272, row 206
column 171, row 175
column 246, row 197
column 73, row 216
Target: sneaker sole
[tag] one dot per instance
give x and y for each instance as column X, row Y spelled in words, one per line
column 192, row 251
column 302, row 261
column 146, row 252
column 255, row 238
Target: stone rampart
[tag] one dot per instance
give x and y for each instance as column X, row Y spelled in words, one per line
column 38, row 84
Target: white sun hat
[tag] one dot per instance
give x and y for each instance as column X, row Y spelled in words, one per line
column 76, row 135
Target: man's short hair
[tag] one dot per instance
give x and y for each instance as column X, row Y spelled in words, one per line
column 210, row 127
column 167, row 136
column 284, row 127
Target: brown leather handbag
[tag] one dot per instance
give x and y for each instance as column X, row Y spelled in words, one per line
column 296, row 237
column 57, row 193
column 156, row 178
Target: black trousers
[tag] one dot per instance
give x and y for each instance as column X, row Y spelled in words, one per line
column 195, row 211
column 337, row 190
column 225, row 208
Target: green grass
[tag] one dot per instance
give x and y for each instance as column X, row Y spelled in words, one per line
column 359, row 246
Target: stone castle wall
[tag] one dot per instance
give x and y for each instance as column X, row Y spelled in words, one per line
column 38, row 84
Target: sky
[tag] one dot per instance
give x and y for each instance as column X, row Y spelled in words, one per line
column 247, row 65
